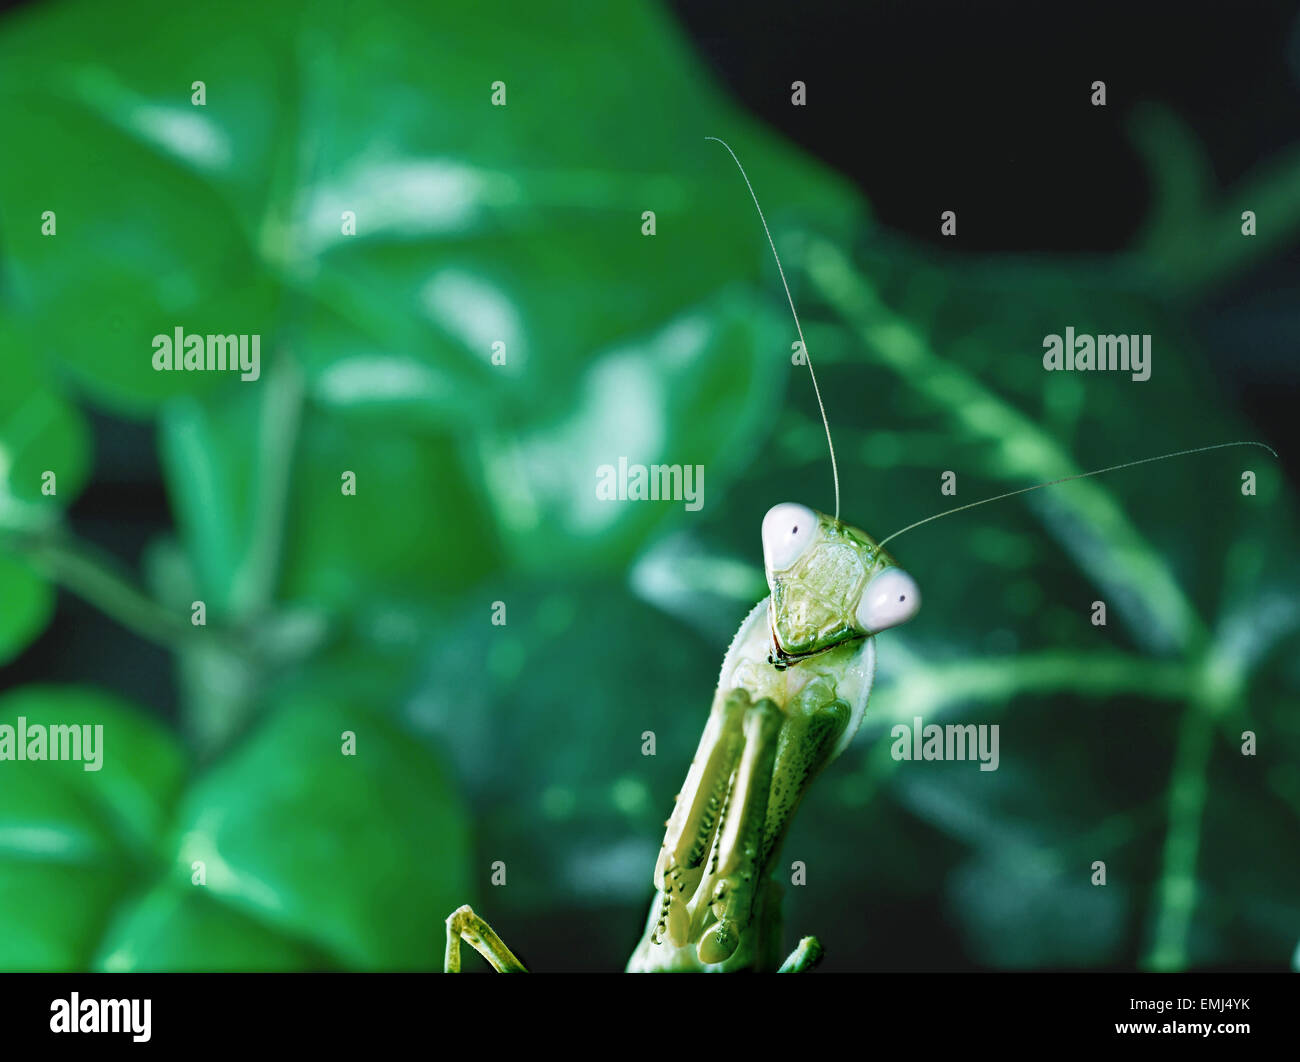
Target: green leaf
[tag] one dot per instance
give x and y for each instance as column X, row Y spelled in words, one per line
column 72, row 840
column 475, row 225
column 28, row 605
column 182, row 927
column 40, row 434
column 332, row 548
column 363, row 855
column 675, row 397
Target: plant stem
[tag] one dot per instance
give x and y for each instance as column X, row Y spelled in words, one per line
column 254, row 581
column 93, row 576
column 1176, row 890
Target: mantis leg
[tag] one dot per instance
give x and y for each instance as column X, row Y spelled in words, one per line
column 738, row 869
column 809, row 736
column 695, row 817
column 464, row 924
column 756, row 759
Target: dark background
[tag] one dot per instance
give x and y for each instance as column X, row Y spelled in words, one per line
column 985, row 109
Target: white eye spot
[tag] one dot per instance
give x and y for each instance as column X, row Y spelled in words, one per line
column 891, row 598
column 788, row 530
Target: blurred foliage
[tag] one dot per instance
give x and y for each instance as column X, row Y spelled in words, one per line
column 522, row 743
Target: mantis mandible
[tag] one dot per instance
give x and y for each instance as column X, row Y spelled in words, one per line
column 792, row 693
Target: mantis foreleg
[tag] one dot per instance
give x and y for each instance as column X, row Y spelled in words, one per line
column 464, row 924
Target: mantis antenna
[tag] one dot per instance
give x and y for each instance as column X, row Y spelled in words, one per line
column 835, row 472
column 1081, row 475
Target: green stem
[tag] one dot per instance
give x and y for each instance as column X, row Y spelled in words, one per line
column 92, row 576
column 1193, row 238
column 1217, row 687
column 929, row 690
column 1176, row 890
column 255, row 580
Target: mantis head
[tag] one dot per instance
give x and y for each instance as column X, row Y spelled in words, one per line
column 830, row 584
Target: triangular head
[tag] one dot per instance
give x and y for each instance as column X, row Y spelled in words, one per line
column 830, row 583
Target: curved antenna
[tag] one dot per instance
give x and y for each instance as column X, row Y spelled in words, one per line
column 835, row 472
column 1066, row 479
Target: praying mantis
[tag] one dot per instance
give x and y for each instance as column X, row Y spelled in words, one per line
column 791, row 695
column 793, row 689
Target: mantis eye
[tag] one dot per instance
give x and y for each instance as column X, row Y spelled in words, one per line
column 889, row 599
column 788, row 530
